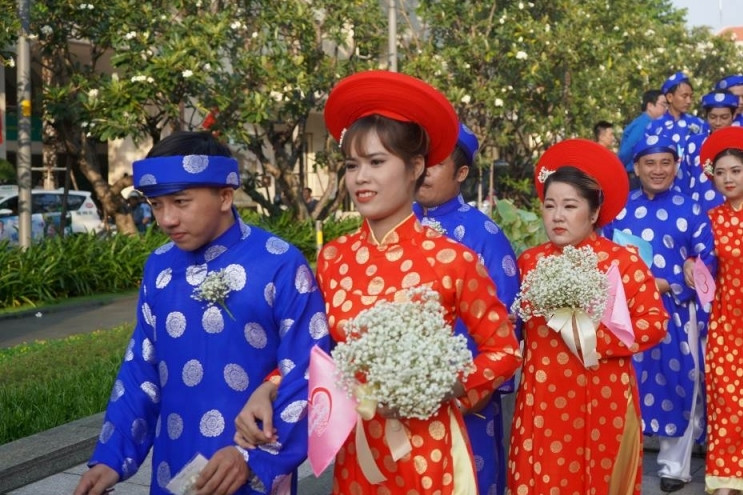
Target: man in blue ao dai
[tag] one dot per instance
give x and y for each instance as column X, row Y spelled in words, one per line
column 440, row 205
column 669, row 374
column 221, row 306
column 719, row 108
column 677, row 122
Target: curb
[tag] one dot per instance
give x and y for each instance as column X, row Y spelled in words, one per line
column 43, row 454
column 56, row 308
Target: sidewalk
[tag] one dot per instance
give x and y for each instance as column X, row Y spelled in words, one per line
column 64, row 481
column 51, row 462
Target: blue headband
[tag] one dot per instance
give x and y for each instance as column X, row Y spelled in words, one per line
column 720, row 100
column 654, row 144
column 467, row 142
column 729, row 81
column 674, row 81
column 170, row 174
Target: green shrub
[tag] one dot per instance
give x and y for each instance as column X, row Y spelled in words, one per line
column 82, row 265
column 522, row 227
column 47, row 384
column 72, row 266
column 302, row 234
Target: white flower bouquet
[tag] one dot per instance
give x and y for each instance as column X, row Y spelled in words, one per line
column 570, row 292
column 402, row 354
column 214, row 289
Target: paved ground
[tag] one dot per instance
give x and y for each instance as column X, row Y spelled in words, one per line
column 116, row 311
column 65, row 482
column 62, row 321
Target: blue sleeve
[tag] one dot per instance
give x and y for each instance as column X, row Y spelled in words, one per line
column 497, row 254
column 133, row 407
column 299, row 312
column 704, row 239
column 632, row 134
column 500, row 261
column 701, row 243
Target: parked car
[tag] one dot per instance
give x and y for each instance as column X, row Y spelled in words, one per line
column 46, row 207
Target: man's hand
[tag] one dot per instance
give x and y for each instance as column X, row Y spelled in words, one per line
column 663, row 285
column 689, row 272
column 96, row 480
column 224, row 474
column 259, row 407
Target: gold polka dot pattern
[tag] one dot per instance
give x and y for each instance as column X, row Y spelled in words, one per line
column 416, row 255
column 724, row 357
column 569, row 420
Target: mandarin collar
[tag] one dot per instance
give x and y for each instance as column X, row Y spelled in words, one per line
column 407, row 229
column 445, row 208
column 229, row 238
column 588, row 241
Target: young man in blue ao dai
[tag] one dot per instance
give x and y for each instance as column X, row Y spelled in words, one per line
column 221, row 306
column 719, row 107
column 440, row 205
column 733, row 84
column 669, row 375
column 677, row 123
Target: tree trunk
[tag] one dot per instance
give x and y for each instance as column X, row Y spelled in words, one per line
column 114, row 204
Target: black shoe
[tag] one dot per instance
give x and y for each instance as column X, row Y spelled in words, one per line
column 671, row 484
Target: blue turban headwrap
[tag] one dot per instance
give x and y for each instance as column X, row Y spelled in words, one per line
column 467, row 142
column 162, row 175
column 720, row 100
column 655, row 144
column 674, row 81
column 726, row 82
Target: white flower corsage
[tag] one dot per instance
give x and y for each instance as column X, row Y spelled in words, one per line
column 543, row 174
column 708, row 168
column 214, row 289
column 434, row 224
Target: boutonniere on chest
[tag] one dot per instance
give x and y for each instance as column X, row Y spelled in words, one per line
column 214, row 289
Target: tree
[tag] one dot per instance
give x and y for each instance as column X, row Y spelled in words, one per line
column 286, row 57
column 527, row 74
column 265, row 67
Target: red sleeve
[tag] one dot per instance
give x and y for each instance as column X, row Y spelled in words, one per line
column 649, row 317
column 486, row 319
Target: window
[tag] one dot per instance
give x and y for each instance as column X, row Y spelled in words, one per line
column 46, row 203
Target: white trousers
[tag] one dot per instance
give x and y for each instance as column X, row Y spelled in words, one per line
column 674, row 457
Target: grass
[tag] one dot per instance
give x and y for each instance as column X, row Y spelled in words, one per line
column 49, row 383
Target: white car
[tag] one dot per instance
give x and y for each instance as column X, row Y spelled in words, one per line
column 83, row 212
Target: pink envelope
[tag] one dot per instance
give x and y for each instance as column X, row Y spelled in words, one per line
column 616, row 315
column 331, row 413
column 704, row 282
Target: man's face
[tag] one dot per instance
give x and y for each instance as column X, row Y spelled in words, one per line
column 718, row 118
column 441, row 184
column 194, row 217
column 658, row 108
column 680, row 100
column 606, row 138
column 738, row 91
column 656, row 172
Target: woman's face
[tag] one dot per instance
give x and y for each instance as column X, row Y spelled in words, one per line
column 566, row 215
column 380, row 185
column 729, row 179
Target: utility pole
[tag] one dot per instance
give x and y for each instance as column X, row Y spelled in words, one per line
column 24, row 126
column 392, row 34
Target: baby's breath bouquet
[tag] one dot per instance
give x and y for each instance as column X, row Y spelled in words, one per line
column 403, row 354
column 569, row 291
column 214, row 289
